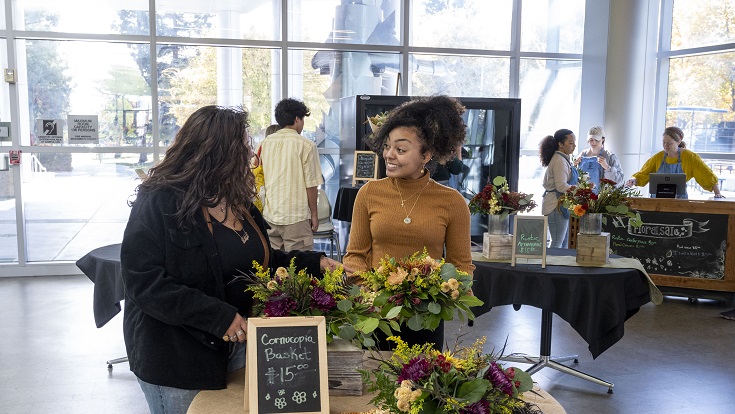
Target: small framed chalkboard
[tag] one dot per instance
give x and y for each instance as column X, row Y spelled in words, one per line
column 286, row 370
column 529, row 238
column 366, row 166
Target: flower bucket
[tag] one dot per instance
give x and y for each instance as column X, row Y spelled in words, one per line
column 590, row 223
column 498, row 223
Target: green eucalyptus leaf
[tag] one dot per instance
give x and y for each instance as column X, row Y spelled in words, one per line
column 345, row 305
column 416, row 322
column 448, row 271
column 434, row 308
column 473, row 390
column 395, row 311
column 368, row 325
column 347, row 333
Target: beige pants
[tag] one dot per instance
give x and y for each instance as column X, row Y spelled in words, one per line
column 297, row 236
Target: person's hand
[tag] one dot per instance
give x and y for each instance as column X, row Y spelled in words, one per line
column 314, row 221
column 325, row 263
column 577, row 161
column 237, row 330
column 631, row 183
column 718, row 195
column 603, row 163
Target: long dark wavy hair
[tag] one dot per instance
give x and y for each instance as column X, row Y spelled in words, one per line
column 550, row 144
column 207, row 162
column 437, row 121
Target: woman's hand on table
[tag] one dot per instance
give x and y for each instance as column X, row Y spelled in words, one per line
column 327, row 264
column 237, row 332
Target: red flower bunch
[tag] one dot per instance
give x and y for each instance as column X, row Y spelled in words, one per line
column 610, row 199
column 496, row 198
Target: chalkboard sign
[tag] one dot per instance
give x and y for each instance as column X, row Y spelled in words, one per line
column 674, row 243
column 366, row 166
column 287, row 365
column 529, row 238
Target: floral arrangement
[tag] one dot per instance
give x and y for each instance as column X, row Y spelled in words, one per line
column 419, row 291
column 610, row 200
column 420, row 379
column 496, row 198
column 347, row 308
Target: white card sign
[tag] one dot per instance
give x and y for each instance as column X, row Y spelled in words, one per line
column 83, row 129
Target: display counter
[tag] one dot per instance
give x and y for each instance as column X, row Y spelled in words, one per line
column 683, row 244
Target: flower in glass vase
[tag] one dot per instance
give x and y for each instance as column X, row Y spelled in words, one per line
column 611, row 200
column 420, row 379
column 347, row 308
column 496, row 198
column 419, row 292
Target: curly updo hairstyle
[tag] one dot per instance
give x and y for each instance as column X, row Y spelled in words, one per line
column 437, row 121
column 550, row 144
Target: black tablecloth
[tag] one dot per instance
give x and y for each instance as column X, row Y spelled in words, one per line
column 595, row 301
column 102, row 267
column 344, row 203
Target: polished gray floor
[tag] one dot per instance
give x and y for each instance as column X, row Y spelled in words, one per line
column 675, row 358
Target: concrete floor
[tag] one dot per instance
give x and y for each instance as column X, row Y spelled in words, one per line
column 674, row 358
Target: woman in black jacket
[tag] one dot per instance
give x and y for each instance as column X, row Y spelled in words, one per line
column 192, row 228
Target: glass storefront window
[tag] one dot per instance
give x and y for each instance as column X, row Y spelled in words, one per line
column 460, row 76
column 550, row 100
column 67, row 213
column 2, row 14
column 552, row 26
column 203, row 75
column 700, row 101
column 469, row 24
column 63, row 80
column 74, row 16
column 698, row 23
column 335, row 21
column 550, row 96
column 225, row 19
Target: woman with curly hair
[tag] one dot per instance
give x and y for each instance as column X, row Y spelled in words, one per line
column 192, row 229
column 408, row 211
column 555, row 152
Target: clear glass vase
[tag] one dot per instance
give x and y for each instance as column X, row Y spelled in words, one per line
column 590, row 223
column 498, row 223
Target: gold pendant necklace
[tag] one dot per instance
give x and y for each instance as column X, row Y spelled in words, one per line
column 244, row 237
column 407, row 219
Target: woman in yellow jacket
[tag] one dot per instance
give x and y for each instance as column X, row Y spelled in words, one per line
column 675, row 158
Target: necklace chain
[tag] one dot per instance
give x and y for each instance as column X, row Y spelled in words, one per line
column 407, row 219
column 244, row 237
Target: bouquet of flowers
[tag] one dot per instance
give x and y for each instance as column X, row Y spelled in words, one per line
column 348, row 309
column 496, row 198
column 610, row 200
column 419, row 291
column 420, row 379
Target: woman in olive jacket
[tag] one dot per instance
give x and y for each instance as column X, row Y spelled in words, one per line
column 192, row 230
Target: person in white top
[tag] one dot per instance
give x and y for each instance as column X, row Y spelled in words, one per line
column 606, row 165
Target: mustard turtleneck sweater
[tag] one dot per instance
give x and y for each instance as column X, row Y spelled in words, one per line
column 439, row 217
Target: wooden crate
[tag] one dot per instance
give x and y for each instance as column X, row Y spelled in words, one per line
column 497, row 246
column 343, row 361
column 593, row 249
